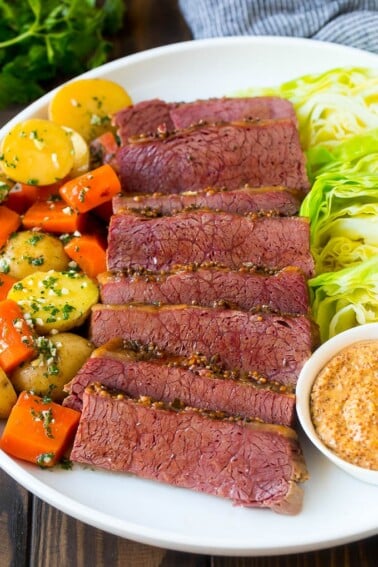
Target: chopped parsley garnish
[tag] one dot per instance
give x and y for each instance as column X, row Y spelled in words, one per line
column 46, row 417
column 66, row 310
column 33, row 240
column 44, row 459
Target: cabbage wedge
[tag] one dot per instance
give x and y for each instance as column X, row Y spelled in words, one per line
column 330, row 106
column 357, row 155
column 343, row 213
column 346, row 298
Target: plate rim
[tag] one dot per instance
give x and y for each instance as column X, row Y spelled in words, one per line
column 105, row 521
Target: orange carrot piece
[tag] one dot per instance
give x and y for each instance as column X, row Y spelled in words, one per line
column 21, row 197
column 9, row 223
column 38, row 431
column 47, row 192
column 6, row 282
column 16, row 337
column 87, row 191
column 88, row 252
column 53, row 216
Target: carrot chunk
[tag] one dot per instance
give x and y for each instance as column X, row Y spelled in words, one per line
column 53, row 216
column 6, row 282
column 9, row 222
column 16, row 337
column 88, row 252
column 86, row 192
column 38, row 431
column 21, row 197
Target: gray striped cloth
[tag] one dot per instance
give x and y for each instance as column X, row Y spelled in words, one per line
column 350, row 22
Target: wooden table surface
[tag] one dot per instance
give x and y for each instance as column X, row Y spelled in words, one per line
column 35, row 534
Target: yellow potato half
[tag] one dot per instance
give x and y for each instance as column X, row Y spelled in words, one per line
column 81, row 153
column 54, row 300
column 27, row 251
column 37, row 152
column 8, row 395
column 87, row 105
column 59, row 359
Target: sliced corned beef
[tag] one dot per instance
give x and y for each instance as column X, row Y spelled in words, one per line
column 284, row 291
column 198, row 236
column 195, row 381
column 143, row 118
column 253, row 464
column 230, row 109
column 273, row 345
column 280, row 200
column 261, row 153
column 148, row 116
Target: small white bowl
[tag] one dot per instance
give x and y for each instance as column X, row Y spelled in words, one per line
column 304, row 386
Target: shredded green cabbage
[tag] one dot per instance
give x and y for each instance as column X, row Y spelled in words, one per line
column 343, row 213
column 356, row 155
column 331, row 106
column 346, row 298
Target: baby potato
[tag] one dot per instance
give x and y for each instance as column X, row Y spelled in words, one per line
column 8, row 396
column 55, row 300
column 81, row 153
column 37, row 152
column 28, row 251
column 87, row 105
column 60, row 358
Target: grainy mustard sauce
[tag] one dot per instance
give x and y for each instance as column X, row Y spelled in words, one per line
column 344, row 404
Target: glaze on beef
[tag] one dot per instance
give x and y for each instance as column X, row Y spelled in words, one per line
column 275, row 346
column 284, row 291
column 253, row 464
column 231, row 155
column 199, row 236
column 195, row 381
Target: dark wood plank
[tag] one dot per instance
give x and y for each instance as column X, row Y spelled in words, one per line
column 61, row 541
column 15, row 503
column 359, row 554
column 149, row 24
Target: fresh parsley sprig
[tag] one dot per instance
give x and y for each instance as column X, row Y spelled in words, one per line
column 46, row 40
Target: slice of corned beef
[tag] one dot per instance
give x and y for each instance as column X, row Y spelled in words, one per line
column 195, row 381
column 284, row 291
column 275, row 346
column 229, row 109
column 145, row 117
column 280, row 200
column 261, row 153
column 148, row 116
column 199, row 236
column 253, row 464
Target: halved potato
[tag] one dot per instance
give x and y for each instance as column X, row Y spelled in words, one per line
column 28, row 250
column 8, row 395
column 60, row 358
column 87, row 105
column 37, row 152
column 55, row 300
column 81, row 153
